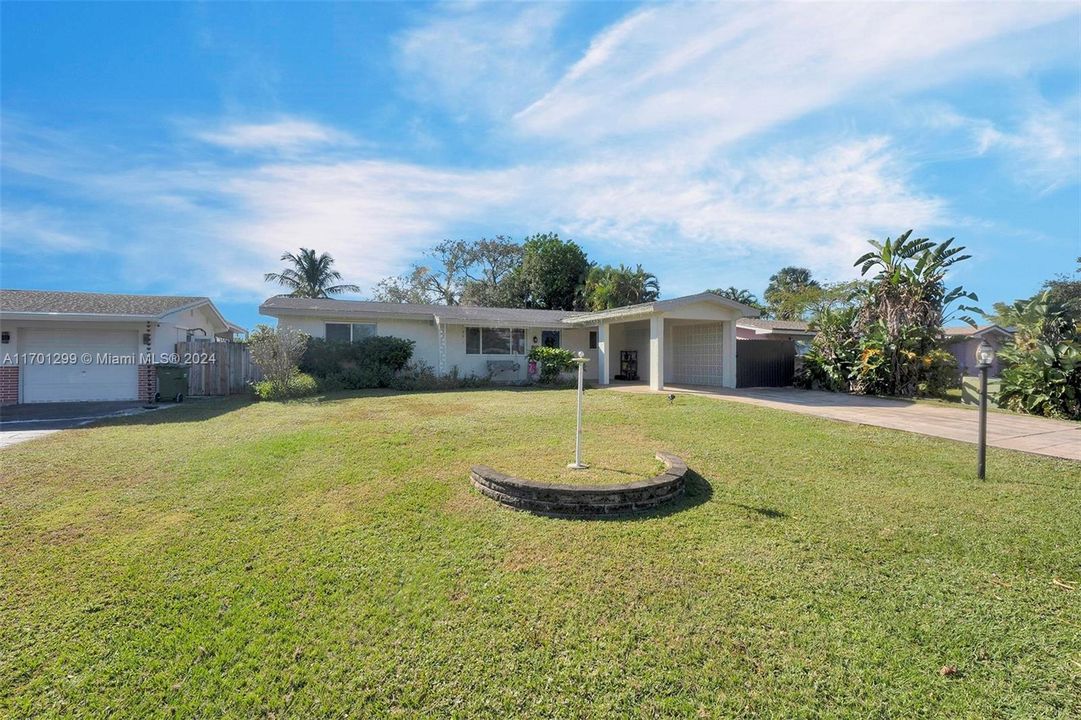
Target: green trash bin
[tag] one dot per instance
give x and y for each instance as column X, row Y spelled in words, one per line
column 172, row 383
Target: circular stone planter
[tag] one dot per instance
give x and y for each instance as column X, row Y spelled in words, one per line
column 583, row 501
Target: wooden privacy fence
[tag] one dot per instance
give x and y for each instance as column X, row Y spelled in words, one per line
column 765, row 363
column 227, row 369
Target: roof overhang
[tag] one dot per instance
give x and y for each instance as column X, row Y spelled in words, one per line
column 113, row 317
column 79, row 317
column 343, row 314
column 645, row 310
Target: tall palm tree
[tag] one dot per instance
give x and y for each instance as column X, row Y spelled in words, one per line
column 310, row 276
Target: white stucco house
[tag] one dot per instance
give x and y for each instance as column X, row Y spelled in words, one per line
column 78, row 346
column 686, row 340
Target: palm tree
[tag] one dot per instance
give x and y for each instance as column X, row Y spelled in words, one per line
column 644, row 285
column 611, row 287
column 733, row 293
column 310, row 276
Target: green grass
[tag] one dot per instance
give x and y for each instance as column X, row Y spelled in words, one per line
column 329, row 559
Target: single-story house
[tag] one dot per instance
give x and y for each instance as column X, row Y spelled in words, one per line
column 685, row 340
column 760, row 329
column 80, row 346
column 963, row 341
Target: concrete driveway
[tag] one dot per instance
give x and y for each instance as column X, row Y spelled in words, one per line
column 1057, row 438
column 19, row 423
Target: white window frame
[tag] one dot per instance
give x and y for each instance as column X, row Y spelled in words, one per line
column 480, row 344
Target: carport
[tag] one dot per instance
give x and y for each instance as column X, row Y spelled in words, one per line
column 687, row 340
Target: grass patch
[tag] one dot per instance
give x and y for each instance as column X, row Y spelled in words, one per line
column 329, row 558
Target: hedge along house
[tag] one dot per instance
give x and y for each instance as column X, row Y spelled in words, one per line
column 78, row 346
column 687, row 340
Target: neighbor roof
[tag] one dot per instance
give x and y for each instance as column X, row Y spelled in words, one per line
column 777, row 326
column 85, row 303
column 967, row 331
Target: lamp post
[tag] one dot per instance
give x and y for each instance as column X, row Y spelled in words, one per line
column 580, row 361
column 985, row 355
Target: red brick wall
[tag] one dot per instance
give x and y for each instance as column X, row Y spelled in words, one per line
column 148, row 382
column 9, row 384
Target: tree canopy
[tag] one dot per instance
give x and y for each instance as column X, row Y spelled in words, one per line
column 610, row 287
column 553, row 273
column 790, row 293
column 543, row 272
column 739, row 295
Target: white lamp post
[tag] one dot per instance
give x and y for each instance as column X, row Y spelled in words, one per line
column 580, row 361
column 985, row 355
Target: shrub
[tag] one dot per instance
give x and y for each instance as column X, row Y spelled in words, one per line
column 883, row 341
column 369, row 363
column 828, row 364
column 551, row 361
column 938, row 373
column 296, row 385
column 1043, row 364
column 276, row 352
column 421, row 376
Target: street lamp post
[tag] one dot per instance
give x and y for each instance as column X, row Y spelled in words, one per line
column 985, row 355
column 580, row 361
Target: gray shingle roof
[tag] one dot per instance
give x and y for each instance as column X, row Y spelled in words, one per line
column 452, row 313
column 78, row 303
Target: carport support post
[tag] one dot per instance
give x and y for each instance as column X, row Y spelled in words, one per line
column 602, row 354
column 656, row 352
column 728, row 354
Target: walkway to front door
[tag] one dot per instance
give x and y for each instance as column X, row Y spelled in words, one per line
column 1057, row 438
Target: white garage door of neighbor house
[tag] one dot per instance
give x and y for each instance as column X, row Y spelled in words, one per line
column 696, row 354
column 45, row 382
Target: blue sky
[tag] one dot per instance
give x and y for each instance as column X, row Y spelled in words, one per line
column 181, row 148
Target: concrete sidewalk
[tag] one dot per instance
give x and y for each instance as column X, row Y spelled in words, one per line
column 1057, row 438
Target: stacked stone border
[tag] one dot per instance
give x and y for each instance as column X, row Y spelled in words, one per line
column 583, row 501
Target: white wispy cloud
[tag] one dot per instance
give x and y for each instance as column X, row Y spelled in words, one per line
column 283, row 134
column 480, row 61
column 37, row 229
column 1046, row 146
column 719, row 72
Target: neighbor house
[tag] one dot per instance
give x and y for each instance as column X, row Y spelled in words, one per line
column 78, row 346
column 687, row 340
column 963, row 341
column 760, row 329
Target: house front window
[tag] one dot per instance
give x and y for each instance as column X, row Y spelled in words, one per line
column 348, row 332
column 550, row 338
column 494, row 341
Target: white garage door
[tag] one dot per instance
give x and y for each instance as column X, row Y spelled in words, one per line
column 58, row 382
column 696, row 354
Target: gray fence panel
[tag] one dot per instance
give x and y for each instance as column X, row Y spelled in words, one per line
column 765, row 363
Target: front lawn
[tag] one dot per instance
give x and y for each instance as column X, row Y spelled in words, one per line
column 330, row 559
